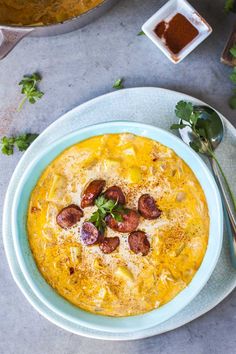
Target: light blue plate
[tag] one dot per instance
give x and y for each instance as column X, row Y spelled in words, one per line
column 150, row 105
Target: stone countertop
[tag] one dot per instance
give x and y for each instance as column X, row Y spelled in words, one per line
column 75, row 68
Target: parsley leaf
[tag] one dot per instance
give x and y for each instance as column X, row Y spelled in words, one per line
column 118, row 84
column 29, row 89
column 141, row 33
column 7, row 145
column 233, row 75
column 229, row 5
column 233, row 51
column 184, row 110
column 106, row 207
column 21, row 141
column 232, row 102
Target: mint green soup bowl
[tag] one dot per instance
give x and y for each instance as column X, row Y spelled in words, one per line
column 49, row 296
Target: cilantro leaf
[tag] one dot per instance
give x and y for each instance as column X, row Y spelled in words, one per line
column 232, row 102
column 229, row 5
column 7, row 145
column 184, row 110
column 233, row 51
column 106, row 207
column 118, row 84
column 29, row 89
column 21, row 141
column 141, row 33
column 233, row 75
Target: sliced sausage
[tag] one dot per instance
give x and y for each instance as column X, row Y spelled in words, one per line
column 115, row 193
column 147, row 207
column 109, row 244
column 69, row 216
column 91, row 192
column 139, row 243
column 90, row 234
column 128, row 224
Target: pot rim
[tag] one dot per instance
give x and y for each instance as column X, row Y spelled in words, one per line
column 56, row 24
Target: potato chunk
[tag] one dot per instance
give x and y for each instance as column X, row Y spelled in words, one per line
column 57, row 189
column 124, row 273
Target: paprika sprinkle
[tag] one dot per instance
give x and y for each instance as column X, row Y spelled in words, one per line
column 177, row 33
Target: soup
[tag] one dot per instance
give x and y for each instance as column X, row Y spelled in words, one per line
column 118, row 224
column 41, row 12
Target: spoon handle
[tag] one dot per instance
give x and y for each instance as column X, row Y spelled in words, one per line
column 229, row 210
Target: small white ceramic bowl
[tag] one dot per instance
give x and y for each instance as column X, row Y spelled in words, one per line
column 165, row 13
column 50, row 297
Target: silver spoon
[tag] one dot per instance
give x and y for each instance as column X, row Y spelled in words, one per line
column 215, row 130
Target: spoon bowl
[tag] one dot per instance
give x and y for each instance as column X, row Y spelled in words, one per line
column 211, row 122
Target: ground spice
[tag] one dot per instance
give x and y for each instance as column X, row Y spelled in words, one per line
column 176, row 33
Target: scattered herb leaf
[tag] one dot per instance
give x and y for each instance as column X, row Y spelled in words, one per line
column 229, row 6
column 7, row 145
column 233, row 75
column 118, row 84
column 29, row 89
column 232, row 100
column 233, row 51
column 106, row 207
column 141, row 33
column 21, row 141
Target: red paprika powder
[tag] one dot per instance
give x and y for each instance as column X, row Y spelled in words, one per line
column 176, row 33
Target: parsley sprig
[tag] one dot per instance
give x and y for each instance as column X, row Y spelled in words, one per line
column 106, row 207
column 118, row 84
column 232, row 100
column 22, row 142
column 202, row 130
column 189, row 118
column 29, row 89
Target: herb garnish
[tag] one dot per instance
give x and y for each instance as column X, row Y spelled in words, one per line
column 232, row 100
column 229, row 5
column 118, row 84
column 141, row 33
column 106, row 207
column 21, row 141
column 202, row 130
column 29, row 89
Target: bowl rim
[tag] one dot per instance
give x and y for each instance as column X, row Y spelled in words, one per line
column 154, row 317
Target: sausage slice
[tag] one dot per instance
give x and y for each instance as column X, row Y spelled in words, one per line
column 128, row 224
column 115, row 193
column 91, row 192
column 147, row 207
column 109, row 244
column 69, row 216
column 139, row 243
column 90, row 234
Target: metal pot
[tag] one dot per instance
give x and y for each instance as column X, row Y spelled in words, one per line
column 11, row 35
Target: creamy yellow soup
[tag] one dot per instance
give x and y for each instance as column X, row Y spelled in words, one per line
column 121, row 283
column 36, row 12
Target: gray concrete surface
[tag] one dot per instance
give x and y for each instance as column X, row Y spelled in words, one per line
column 75, row 68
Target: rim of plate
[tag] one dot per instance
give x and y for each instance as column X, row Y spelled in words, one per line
column 186, row 295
